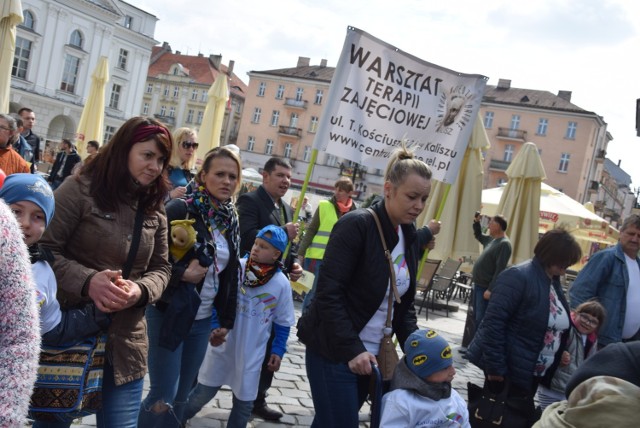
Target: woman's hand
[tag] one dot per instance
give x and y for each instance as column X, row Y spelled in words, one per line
column 106, row 295
column 296, row 272
column 218, row 336
column 486, row 295
column 361, row 364
column 565, row 359
column 274, row 363
column 133, row 292
column 178, row 192
column 194, row 272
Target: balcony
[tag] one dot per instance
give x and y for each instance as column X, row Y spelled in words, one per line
column 512, row 134
column 297, row 104
column 594, row 186
column 498, row 165
column 167, row 120
column 290, row 131
column 600, row 155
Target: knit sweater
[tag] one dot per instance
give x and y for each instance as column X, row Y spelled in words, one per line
column 19, row 323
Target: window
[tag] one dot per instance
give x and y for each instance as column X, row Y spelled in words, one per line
column 70, row 73
column 194, row 95
column 307, row 154
column 275, row 116
column 21, row 58
column 572, row 127
column 294, row 120
column 108, row 133
column 166, row 91
column 319, row 95
column 76, row 39
column 200, row 116
column 145, row 109
column 299, row 93
column 251, row 144
column 268, row 149
column 564, row 162
column 287, row 150
column 163, row 111
column 543, row 124
column 176, row 91
column 261, row 89
column 515, row 121
column 128, row 20
column 190, row 116
column 256, row 115
column 332, row 160
column 115, row 96
column 501, row 182
column 313, row 126
column 149, row 88
column 488, row 119
column 280, row 92
column 28, row 21
column 122, row 59
column 205, row 96
column 172, row 111
column 508, row 152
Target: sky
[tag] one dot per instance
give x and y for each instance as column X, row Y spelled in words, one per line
column 588, row 47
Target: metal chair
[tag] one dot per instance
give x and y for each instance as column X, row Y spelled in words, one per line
column 443, row 283
column 426, row 278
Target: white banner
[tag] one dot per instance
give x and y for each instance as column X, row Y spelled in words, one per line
column 381, row 96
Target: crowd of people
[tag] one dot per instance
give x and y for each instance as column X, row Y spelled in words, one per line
column 190, row 284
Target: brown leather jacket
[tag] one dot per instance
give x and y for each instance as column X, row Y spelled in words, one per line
column 85, row 240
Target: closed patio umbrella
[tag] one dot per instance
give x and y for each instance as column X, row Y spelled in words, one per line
column 209, row 134
column 10, row 17
column 91, row 126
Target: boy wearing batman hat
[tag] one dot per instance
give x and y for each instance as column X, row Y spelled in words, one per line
column 264, row 299
column 421, row 393
column 31, row 200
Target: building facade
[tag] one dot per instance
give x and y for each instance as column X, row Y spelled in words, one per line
column 177, row 86
column 58, row 47
column 615, row 199
column 572, row 141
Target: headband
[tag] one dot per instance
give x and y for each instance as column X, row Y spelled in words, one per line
column 143, row 132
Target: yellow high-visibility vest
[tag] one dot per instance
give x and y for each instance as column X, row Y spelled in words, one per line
column 328, row 218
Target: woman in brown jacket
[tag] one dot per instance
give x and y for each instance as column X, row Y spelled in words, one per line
column 91, row 237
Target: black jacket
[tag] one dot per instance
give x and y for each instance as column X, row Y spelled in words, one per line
column 72, row 159
column 225, row 300
column 352, row 284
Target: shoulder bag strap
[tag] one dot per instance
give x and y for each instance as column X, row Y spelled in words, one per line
column 392, row 281
column 135, row 243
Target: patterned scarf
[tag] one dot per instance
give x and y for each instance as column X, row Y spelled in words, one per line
column 257, row 274
column 217, row 215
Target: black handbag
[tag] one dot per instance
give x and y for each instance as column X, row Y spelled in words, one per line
column 488, row 409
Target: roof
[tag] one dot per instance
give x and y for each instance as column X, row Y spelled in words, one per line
column 529, row 98
column 197, row 67
column 622, row 178
column 311, row 72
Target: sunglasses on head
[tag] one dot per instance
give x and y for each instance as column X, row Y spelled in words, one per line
column 189, row 145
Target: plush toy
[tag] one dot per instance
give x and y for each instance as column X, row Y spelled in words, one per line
column 183, row 238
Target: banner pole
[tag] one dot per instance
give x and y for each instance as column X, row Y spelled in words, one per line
column 437, row 218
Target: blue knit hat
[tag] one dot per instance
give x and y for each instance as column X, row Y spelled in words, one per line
column 278, row 237
column 426, row 352
column 32, row 188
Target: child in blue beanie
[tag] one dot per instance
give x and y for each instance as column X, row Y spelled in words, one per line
column 421, row 393
column 264, row 299
column 31, row 200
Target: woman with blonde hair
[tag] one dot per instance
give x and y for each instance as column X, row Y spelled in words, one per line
column 344, row 324
column 183, row 161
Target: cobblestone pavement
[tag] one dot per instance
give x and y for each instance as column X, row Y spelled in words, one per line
column 290, row 391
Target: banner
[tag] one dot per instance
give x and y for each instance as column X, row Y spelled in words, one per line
column 381, row 96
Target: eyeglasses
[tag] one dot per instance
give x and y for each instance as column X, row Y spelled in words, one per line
column 589, row 320
column 5, row 128
column 188, row 145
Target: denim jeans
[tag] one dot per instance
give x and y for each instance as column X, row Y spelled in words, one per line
column 311, row 265
column 201, row 395
column 120, row 404
column 479, row 303
column 337, row 392
column 172, row 374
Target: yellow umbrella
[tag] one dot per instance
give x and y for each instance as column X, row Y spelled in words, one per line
column 92, row 119
column 209, row 135
column 520, row 201
column 10, row 17
column 456, row 239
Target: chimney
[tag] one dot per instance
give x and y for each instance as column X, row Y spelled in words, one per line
column 504, row 84
column 163, row 50
column 215, row 60
column 565, row 95
column 619, row 160
column 303, row 61
column 230, row 67
column 200, row 55
column 323, row 63
column 177, row 52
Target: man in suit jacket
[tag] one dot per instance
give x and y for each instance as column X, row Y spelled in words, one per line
column 64, row 163
column 256, row 210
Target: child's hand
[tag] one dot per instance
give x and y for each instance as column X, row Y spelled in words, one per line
column 565, row 359
column 218, row 336
column 274, row 363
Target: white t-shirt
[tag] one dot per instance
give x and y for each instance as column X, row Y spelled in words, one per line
column 372, row 333
column 46, row 289
column 402, row 408
column 211, row 279
column 632, row 315
column 238, row 361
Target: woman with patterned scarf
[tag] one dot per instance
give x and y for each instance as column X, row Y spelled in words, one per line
column 199, row 304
